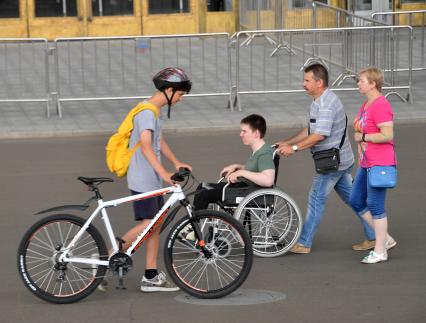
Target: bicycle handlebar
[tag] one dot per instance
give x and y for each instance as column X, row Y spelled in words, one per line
column 180, row 175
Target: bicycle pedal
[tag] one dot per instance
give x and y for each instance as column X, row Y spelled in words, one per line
column 120, row 284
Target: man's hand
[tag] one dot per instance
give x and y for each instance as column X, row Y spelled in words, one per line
column 281, row 143
column 285, row 150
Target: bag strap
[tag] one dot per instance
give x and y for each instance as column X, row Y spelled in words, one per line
column 139, row 108
column 344, row 132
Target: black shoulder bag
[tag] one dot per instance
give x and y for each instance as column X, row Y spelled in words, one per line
column 327, row 161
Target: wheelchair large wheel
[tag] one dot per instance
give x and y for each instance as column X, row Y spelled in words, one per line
column 272, row 220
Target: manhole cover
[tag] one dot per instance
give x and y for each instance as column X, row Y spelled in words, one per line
column 239, row 297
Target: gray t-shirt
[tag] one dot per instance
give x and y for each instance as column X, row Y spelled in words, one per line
column 328, row 118
column 141, row 176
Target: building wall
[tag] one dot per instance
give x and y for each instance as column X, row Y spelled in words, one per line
column 197, row 20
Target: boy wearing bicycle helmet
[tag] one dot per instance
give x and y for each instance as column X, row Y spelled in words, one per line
column 147, row 173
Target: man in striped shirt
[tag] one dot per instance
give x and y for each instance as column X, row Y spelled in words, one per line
column 327, row 126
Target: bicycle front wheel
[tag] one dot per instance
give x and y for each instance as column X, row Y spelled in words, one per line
column 38, row 259
column 220, row 267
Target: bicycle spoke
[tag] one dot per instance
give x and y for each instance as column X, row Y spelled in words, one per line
column 217, row 267
column 57, row 281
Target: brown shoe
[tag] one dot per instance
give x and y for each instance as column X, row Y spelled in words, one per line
column 299, row 248
column 365, row 245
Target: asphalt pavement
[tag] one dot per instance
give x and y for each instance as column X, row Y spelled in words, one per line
column 328, row 285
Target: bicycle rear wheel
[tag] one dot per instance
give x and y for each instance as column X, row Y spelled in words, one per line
column 54, row 281
column 222, row 268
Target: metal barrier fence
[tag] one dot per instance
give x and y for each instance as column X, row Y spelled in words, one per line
column 24, row 71
column 278, row 14
column 346, row 51
column 417, row 20
column 325, row 16
column 118, row 68
column 281, row 14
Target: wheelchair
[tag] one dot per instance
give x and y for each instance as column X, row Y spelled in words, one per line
column 270, row 216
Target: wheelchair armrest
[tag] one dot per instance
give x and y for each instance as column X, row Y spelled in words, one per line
column 246, row 181
column 206, row 186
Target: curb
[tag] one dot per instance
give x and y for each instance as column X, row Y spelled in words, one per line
column 166, row 130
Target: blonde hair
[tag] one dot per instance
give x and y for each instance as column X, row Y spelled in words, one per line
column 373, row 74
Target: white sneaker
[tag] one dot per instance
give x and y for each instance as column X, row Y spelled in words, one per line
column 188, row 233
column 390, row 243
column 103, row 286
column 158, row 284
column 374, row 258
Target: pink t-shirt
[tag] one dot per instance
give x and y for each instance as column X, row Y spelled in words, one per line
column 366, row 121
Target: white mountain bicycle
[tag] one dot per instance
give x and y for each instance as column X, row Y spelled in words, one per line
column 63, row 258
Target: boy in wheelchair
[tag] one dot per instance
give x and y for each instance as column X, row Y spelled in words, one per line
column 258, row 171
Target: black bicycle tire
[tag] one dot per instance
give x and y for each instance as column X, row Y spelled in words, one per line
column 248, row 255
column 29, row 283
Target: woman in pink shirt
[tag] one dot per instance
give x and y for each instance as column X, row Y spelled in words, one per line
column 374, row 135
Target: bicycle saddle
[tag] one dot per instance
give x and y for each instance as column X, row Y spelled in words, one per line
column 94, row 180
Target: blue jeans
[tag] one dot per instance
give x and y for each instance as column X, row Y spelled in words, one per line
column 321, row 188
column 366, row 198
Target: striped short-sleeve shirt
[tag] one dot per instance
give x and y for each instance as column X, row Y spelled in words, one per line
column 327, row 117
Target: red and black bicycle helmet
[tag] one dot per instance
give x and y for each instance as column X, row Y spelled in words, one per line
column 172, row 77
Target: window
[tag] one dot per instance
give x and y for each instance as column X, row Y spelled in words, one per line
column 9, row 9
column 254, row 4
column 112, row 7
column 219, row 5
column 363, row 5
column 168, row 6
column 296, row 4
column 55, row 8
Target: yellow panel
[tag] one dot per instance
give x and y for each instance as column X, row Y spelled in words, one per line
column 220, row 22
column 298, row 18
column 417, row 19
column 52, row 28
column 267, row 19
column 169, row 24
column 10, row 27
column 114, row 26
column 15, row 27
column 328, row 18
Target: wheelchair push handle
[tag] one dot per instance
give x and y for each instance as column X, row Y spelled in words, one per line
column 180, row 175
column 275, row 154
column 223, row 176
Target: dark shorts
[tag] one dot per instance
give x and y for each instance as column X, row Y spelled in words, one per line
column 148, row 208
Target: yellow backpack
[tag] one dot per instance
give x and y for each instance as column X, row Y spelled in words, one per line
column 118, row 153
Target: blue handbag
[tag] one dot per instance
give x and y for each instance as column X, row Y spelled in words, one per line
column 382, row 176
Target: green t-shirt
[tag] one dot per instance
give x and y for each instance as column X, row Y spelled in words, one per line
column 261, row 160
